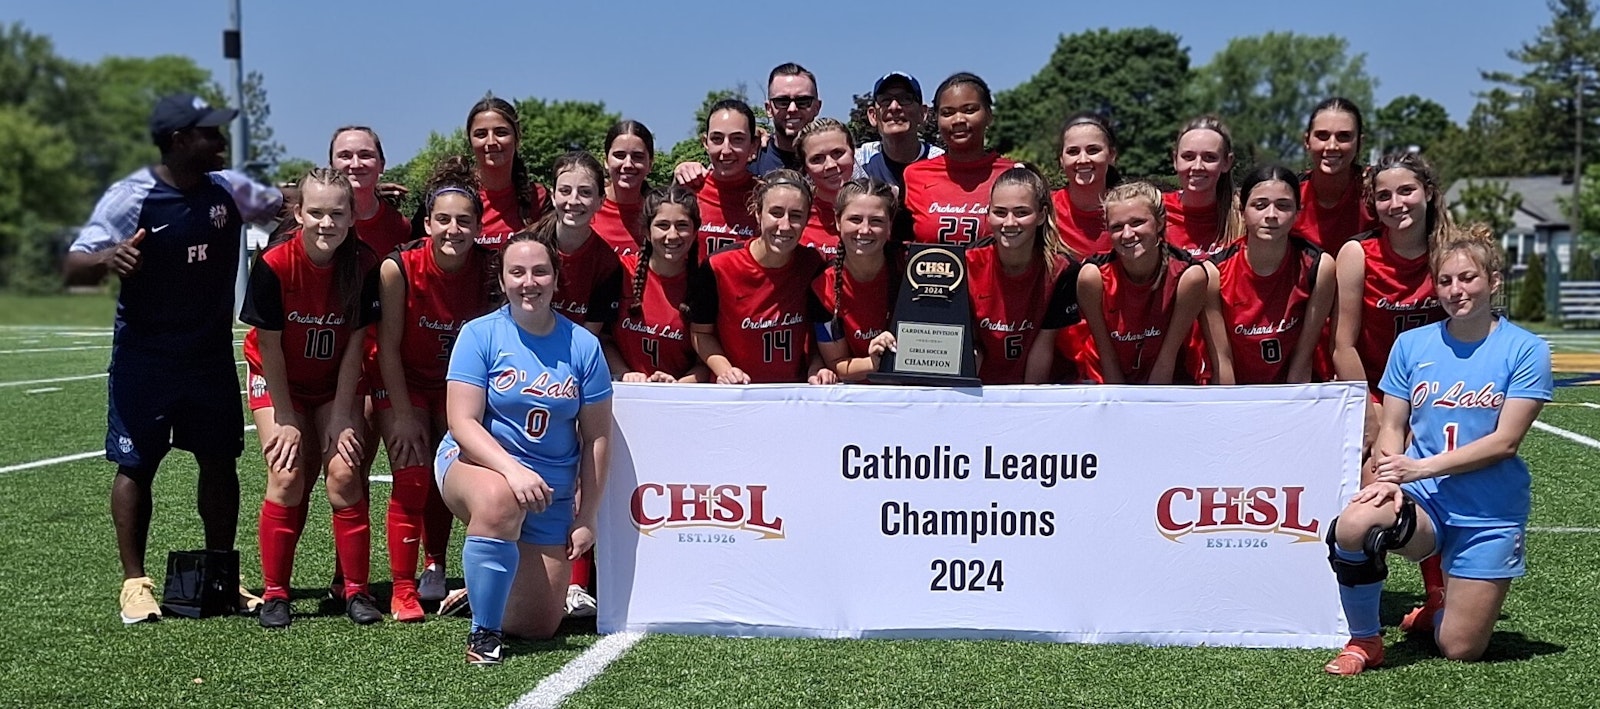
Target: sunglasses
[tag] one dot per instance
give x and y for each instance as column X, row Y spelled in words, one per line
column 801, row 102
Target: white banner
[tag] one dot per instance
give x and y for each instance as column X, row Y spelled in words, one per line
column 1156, row 515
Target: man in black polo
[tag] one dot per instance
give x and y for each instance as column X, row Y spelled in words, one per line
column 171, row 233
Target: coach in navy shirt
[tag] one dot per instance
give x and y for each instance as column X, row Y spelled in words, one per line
column 171, row 232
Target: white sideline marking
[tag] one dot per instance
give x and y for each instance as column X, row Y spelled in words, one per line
column 582, row 670
column 36, row 350
column 381, row 478
column 102, row 375
column 67, row 458
column 1565, row 530
column 1564, row 433
column 42, row 390
column 53, row 380
column 1590, row 404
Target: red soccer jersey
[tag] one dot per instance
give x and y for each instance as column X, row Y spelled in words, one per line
column 1265, row 315
column 949, row 201
column 385, row 231
column 761, row 313
column 1137, row 317
column 1396, row 295
column 864, row 312
column 437, row 304
column 291, row 294
column 655, row 339
column 725, row 217
column 1083, row 232
column 1008, row 311
column 1328, row 228
column 822, row 230
column 619, row 225
column 590, row 283
column 503, row 216
column 1195, row 230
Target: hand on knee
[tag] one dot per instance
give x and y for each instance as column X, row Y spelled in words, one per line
column 285, row 487
column 497, row 521
column 345, row 486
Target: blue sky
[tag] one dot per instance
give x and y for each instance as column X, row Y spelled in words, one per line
column 408, row 68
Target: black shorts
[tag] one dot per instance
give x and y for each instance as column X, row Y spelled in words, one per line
column 154, row 409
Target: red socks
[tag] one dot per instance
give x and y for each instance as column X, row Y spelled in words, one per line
column 436, row 528
column 352, row 539
column 583, row 570
column 1432, row 579
column 278, row 533
column 408, row 506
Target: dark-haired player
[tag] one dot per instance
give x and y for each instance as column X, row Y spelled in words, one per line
column 947, row 197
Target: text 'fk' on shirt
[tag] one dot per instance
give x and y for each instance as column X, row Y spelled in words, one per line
column 178, row 308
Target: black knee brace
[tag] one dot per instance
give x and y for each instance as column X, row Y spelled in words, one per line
column 1377, row 544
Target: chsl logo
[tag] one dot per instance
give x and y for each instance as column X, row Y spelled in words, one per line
column 674, row 505
column 1181, row 511
column 935, row 272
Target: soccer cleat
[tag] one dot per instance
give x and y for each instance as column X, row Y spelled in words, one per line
column 249, row 602
column 455, row 604
column 274, row 613
column 363, row 609
column 431, row 586
column 1420, row 620
column 485, row 647
column 405, row 605
column 579, row 603
column 138, row 601
column 1358, row 655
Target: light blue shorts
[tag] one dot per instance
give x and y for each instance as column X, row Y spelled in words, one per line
column 1487, row 553
column 548, row 528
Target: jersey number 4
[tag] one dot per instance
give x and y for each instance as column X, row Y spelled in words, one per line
column 652, row 350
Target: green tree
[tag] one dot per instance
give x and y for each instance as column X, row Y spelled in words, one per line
column 265, row 151
column 40, row 189
column 289, row 170
column 1409, row 121
column 1564, row 55
column 1582, row 265
column 1136, row 77
column 549, row 128
column 1529, row 306
column 1266, row 86
column 1487, row 202
column 1498, row 140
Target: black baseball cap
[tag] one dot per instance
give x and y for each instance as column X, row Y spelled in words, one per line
column 179, row 111
column 916, row 87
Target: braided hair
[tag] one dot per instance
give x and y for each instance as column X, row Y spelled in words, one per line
column 653, row 203
column 519, row 170
column 861, row 188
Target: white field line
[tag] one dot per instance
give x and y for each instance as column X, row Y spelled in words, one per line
column 67, row 458
column 1565, row 530
column 38, row 350
column 582, row 670
column 1564, row 433
column 52, row 380
column 1590, row 404
column 81, row 377
column 42, row 390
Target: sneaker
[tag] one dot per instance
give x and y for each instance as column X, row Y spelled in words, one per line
column 274, row 613
column 485, row 647
column 431, row 586
column 579, row 603
column 405, row 605
column 363, row 609
column 249, row 603
column 1358, row 655
column 138, row 601
column 455, row 604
